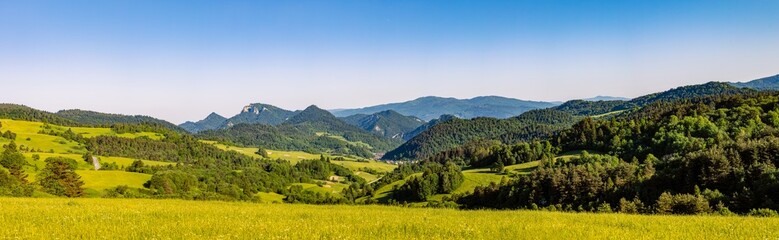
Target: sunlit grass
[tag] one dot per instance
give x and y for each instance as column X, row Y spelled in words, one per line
column 60, row 218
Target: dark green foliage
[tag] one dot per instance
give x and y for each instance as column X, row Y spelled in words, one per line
column 296, row 194
column 173, row 182
column 59, row 177
column 91, row 118
column 67, row 134
column 173, row 148
column 763, row 212
column 478, row 154
column 727, row 145
column 588, row 108
column 767, row 83
column 21, row 112
column 387, row 124
column 309, row 130
column 436, row 179
column 682, row 204
column 533, row 124
column 13, row 182
column 262, row 152
column 8, row 135
column 686, row 92
column 426, row 126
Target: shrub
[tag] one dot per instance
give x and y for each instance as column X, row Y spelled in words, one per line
column 763, row 212
column 682, row 204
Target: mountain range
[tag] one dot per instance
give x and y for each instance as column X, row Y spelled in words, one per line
column 429, row 108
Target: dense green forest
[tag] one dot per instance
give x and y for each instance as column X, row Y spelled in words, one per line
column 312, row 130
column 91, row 118
column 696, row 155
column 534, row 124
column 387, row 124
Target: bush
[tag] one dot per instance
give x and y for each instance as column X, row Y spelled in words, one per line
column 763, row 212
column 682, row 204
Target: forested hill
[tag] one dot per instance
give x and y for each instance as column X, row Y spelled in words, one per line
column 312, row 130
column 387, row 124
column 21, row 112
column 91, row 118
column 82, row 118
column 452, row 133
column 261, row 114
column 692, row 91
column 428, row 108
column 767, row 83
column 589, row 108
column 212, row 121
column 700, row 155
column 446, row 136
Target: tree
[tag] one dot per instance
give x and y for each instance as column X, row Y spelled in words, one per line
column 87, row 157
column 59, row 177
column 262, row 152
column 497, row 167
column 13, row 161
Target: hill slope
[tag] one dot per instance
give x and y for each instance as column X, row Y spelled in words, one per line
column 428, row 108
column 388, row 124
column 767, row 83
column 92, row 118
column 21, row 112
column 312, row 130
column 212, row 121
column 261, row 114
column 455, row 132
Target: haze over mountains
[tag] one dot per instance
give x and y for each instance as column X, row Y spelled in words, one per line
column 429, row 108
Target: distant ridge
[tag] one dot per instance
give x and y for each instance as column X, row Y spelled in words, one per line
column 429, row 108
column 387, row 124
column 606, row 98
column 766, row 83
column 212, row 121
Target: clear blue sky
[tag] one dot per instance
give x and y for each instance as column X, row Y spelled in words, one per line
column 180, row 60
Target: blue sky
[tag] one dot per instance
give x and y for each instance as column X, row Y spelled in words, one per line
column 180, row 60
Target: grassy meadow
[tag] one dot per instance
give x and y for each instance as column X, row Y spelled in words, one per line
column 61, row 218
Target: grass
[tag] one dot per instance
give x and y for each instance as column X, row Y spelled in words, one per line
column 367, row 176
column 270, row 197
column 295, row 157
column 126, row 162
column 341, row 138
column 101, row 180
column 608, row 114
column 62, row 218
column 372, row 164
column 29, row 130
column 328, row 187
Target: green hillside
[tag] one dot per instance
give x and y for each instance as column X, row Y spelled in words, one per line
column 387, row 124
column 312, row 130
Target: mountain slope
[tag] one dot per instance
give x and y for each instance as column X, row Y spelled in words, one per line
column 538, row 122
column 428, row 108
column 212, row 121
column 92, row 118
column 21, row 112
column 311, row 130
column 589, row 108
column 388, row 124
column 261, row 114
column 707, row 89
column 606, row 98
column 767, row 83
column 426, row 126
column 455, row 132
